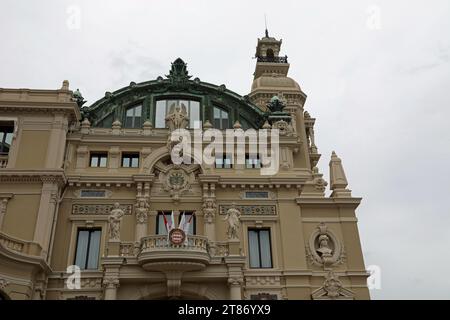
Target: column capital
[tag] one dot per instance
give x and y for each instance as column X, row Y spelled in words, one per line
column 235, row 281
column 111, row 282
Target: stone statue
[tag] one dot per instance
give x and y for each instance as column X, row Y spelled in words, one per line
column 324, row 250
column 209, row 210
column 115, row 218
column 232, row 216
column 141, row 211
column 177, row 117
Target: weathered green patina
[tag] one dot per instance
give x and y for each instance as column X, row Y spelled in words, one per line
column 176, row 85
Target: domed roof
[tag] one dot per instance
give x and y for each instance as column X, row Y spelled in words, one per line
column 275, row 83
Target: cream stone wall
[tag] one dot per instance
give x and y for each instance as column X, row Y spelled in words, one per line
column 315, row 245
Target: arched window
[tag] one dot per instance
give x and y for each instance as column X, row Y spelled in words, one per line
column 133, row 117
column 192, row 110
column 269, row 53
column 221, row 119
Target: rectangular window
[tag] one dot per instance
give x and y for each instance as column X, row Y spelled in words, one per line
column 259, row 248
column 93, row 194
column 224, row 162
column 130, row 160
column 133, row 117
column 192, row 224
column 220, row 119
column 6, row 135
column 161, row 228
column 163, row 108
column 88, row 248
column 98, row 159
column 252, row 161
column 256, row 194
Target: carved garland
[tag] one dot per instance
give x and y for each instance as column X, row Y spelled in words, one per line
column 99, row 209
column 251, row 210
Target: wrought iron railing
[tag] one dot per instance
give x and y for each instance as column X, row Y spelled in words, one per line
column 273, row 59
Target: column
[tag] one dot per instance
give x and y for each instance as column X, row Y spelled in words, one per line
column 141, row 212
column 111, row 284
column 235, row 285
column 47, row 207
column 209, row 218
column 4, row 198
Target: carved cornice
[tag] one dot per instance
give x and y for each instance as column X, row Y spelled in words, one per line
column 30, row 176
column 17, row 106
column 352, row 203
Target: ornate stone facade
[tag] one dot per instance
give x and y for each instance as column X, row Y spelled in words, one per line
column 94, row 186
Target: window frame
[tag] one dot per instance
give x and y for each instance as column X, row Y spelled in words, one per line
column 4, row 130
column 91, row 231
column 168, row 213
column 134, row 125
column 177, row 100
column 255, row 163
column 221, row 111
column 130, row 156
column 258, row 230
column 194, row 222
column 98, row 154
column 224, row 164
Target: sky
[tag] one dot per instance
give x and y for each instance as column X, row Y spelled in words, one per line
column 377, row 76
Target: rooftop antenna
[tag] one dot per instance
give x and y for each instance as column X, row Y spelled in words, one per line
column 265, row 23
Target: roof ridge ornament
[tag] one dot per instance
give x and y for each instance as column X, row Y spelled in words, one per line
column 178, row 74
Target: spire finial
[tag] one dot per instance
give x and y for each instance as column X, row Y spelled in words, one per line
column 265, row 23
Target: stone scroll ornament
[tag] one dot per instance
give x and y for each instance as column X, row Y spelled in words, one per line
column 115, row 219
column 324, row 249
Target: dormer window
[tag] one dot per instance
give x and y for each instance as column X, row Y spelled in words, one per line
column 133, row 117
column 221, row 119
column 191, row 107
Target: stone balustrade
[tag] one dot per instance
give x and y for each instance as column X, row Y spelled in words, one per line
column 21, row 246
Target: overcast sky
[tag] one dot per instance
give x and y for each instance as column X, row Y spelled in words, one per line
column 377, row 76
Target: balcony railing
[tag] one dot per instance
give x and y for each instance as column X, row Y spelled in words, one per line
column 158, row 253
column 273, row 59
column 3, row 160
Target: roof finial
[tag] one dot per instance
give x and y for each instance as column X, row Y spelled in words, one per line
column 265, row 23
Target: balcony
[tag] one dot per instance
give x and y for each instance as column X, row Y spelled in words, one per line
column 273, row 59
column 157, row 253
column 3, row 160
